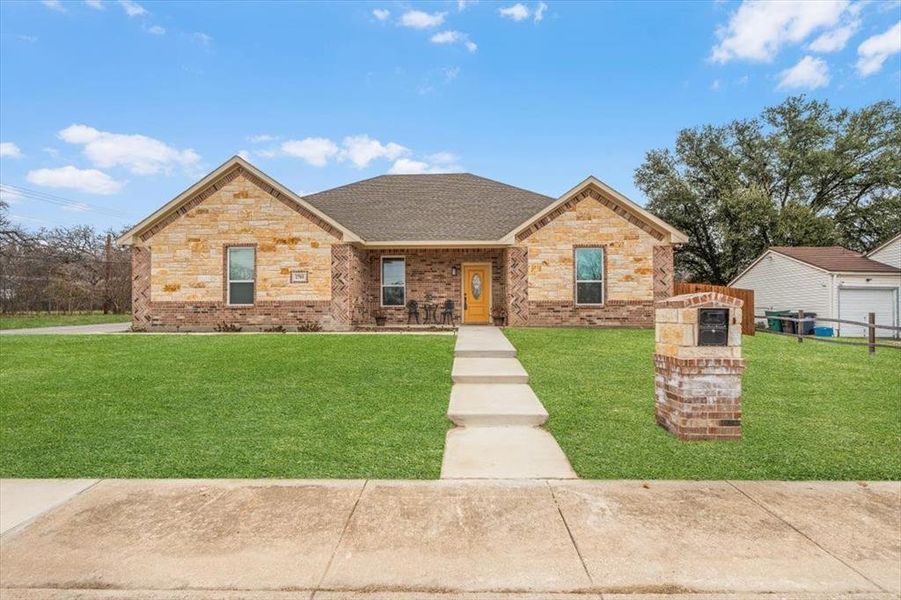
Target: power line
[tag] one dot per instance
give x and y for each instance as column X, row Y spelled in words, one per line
column 66, row 202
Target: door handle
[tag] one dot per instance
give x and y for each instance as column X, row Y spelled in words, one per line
column 465, row 304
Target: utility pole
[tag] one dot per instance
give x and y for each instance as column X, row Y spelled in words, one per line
column 108, row 273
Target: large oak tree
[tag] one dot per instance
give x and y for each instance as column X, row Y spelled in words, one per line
column 802, row 173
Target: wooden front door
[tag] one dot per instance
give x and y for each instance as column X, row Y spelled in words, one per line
column 476, row 293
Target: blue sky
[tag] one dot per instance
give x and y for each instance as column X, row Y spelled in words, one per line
column 109, row 109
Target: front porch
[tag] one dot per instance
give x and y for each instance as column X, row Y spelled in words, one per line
column 382, row 281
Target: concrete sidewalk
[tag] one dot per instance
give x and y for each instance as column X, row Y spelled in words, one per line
column 71, row 329
column 448, row 539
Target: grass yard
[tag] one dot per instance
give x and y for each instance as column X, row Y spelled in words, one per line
column 31, row 320
column 810, row 411
column 294, row 406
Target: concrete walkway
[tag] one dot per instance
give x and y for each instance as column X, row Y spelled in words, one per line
column 449, row 539
column 498, row 416
column 71, row 329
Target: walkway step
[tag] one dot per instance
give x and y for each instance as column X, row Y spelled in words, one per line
column 483, row 342
column 503, row 453
column 488, row 370
column 494, row 404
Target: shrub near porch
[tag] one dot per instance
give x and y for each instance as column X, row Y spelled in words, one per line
column 810, row 411
column 292, row 406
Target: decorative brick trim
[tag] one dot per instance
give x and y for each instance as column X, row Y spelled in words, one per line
column 700, row 300
column 616, row 313
column 342, row 302
column 140, row 286
column 205, row 316
column 663, row 272
column 571, row 204
column 516, row 278
column 222, row 181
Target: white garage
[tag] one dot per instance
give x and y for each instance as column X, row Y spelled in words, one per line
column 832, row 282
column 855, row 304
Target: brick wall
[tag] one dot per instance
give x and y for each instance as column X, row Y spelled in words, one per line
column 140, row 286
column 429, row 271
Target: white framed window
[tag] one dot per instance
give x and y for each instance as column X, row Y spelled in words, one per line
column 241, row 271
column 394, row 281
column 589, row 263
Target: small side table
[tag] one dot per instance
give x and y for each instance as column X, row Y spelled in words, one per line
column 429, row 313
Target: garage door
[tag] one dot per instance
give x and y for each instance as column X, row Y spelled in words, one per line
column 856, row 303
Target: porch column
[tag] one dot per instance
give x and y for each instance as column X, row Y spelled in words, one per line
column 516, row 279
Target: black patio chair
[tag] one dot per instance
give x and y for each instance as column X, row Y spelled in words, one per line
column 412, row 311
column 447, row 313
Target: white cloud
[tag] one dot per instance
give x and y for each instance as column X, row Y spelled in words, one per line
column 874, row 51
column 314, row 150
column 462, row 4
column 244, row 154
column 716, row 85
column 517, row 12
column 758, row 30
column 418, row 19
column 140, row 154
column 454, row 37
column 450, row 73
column 51, row 151
column 9, row 195
column 834, row 39
column 90, row 181
column 261, row 138
column 539, row 12
column 10, row 150
column 362, row 150
column 95, row 4
column 408, row 166
column 202, row 39
column 156, row 30
column 443, row 158
column 27, row 38
column 810, row 73
column 54, row 5
column 132, row 9
column 381, row 14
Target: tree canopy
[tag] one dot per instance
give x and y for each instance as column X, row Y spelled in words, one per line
column 800, row 174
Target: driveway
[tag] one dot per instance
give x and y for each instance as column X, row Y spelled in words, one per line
column 70, row 329
column 455, row 538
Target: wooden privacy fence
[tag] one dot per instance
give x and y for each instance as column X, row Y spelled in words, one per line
column 747, row 311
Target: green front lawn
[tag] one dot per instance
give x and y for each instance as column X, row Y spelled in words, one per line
column 810, row 411
column 31, row 320
column 296, row 406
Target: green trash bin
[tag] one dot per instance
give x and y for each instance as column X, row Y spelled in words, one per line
column 776, row 324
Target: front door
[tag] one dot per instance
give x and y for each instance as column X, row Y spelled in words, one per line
column 476, row 292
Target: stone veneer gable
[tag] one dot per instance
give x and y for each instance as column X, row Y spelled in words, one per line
column 188, row 255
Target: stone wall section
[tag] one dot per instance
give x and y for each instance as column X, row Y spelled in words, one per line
column 188, row 255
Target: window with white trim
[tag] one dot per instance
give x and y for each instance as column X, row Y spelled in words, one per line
column 589, row 275
column 241, row 274
column 394, row 281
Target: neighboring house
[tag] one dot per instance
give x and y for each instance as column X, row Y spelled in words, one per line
column 238, row 247
column 888, row 253
column 831, row 281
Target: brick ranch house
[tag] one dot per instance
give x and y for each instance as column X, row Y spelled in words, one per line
column 238, row 247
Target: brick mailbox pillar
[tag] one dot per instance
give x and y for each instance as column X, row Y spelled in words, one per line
column 698, row 366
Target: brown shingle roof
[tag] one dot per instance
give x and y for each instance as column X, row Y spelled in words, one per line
column 835, row 258
column 438, row 207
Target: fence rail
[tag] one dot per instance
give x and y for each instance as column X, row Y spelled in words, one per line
column 747, row 296
column 799, row 321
